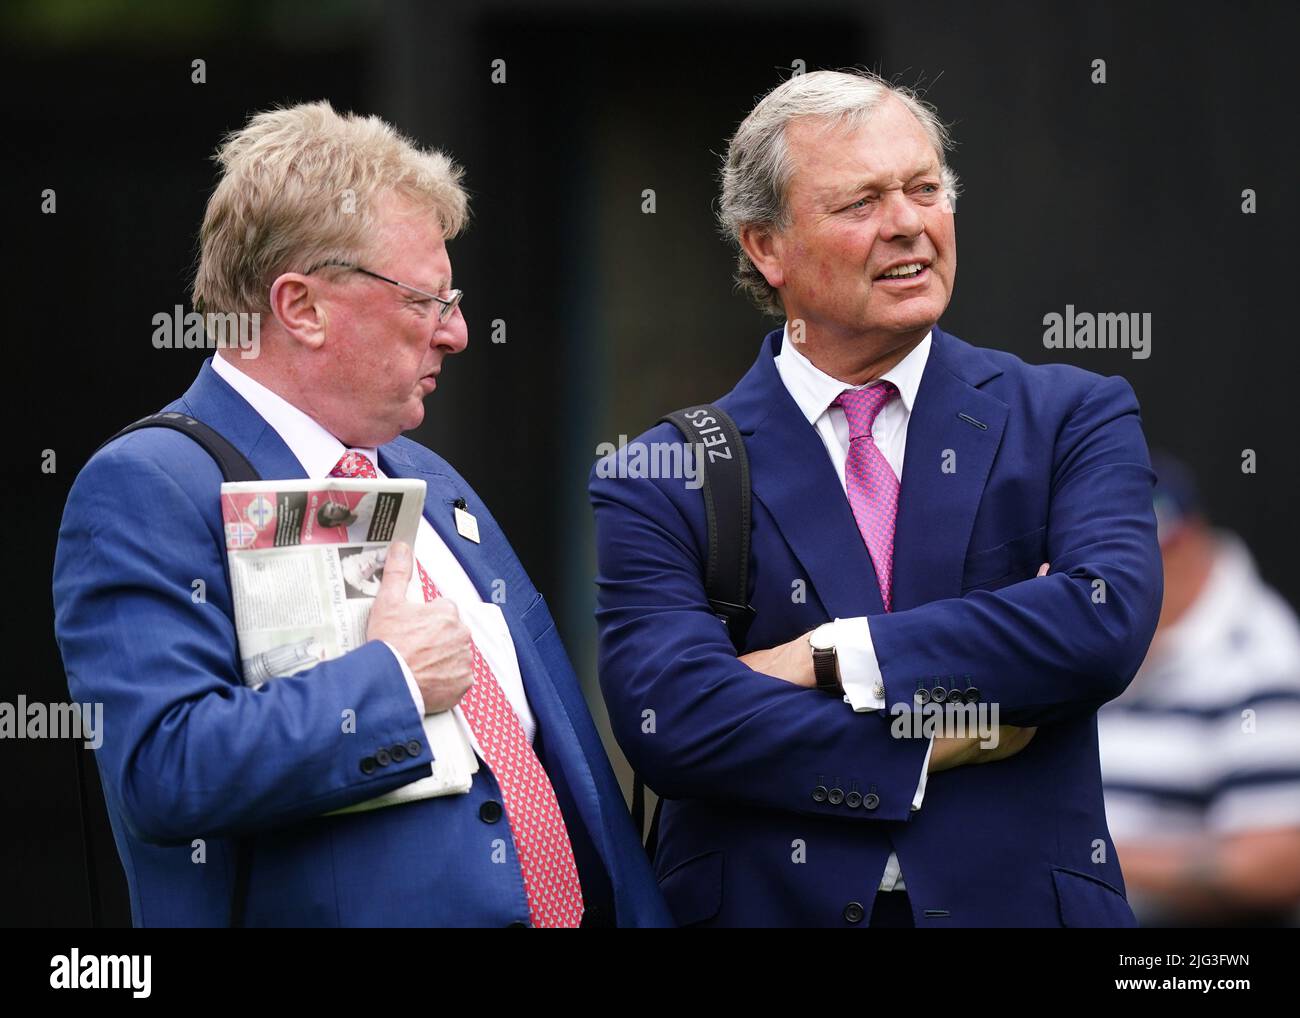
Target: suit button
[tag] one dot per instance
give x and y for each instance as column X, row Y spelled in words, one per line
column 922, row 697
column 819, row 793
column 854, row 912
column 414, row 748
column 835, row 796
column 853, row 800
column 871, row 801
column 382, row 758
column 518, row 924
column 399, row 753
column 368, row 765
column 972, row 695
column 938, row 694
column 490, row 811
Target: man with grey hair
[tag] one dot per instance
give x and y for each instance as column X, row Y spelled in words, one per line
column 905, row 735
column 265, row 806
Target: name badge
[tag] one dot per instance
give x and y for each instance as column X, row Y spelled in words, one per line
column 466, row 525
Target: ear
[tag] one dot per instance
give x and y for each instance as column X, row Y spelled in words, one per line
column 764, row 249
column 295, row 302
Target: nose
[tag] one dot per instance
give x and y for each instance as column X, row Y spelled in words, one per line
column 452, row 336
column 901, row 218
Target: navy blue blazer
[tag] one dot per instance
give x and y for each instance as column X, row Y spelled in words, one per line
column 1008, row 465
column 192, row 759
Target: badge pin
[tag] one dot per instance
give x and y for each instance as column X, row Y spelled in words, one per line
column 466, row 524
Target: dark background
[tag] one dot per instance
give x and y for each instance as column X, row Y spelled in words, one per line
column 1122, row 197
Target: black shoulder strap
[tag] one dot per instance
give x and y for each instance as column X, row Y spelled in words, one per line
column 234, row 467
column 727, row 509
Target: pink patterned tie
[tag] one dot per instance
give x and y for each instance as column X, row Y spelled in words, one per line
column 536, row 823
column 870, row 480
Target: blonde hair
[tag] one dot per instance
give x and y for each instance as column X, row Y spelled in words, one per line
column 300, row 186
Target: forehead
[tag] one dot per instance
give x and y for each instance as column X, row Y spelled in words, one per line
column 890, row 146
column 408, row 239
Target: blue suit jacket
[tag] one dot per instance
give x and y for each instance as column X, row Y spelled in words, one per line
column 190, row 753
column 1052, row 467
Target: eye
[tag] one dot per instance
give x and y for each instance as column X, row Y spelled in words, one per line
column 861, row 203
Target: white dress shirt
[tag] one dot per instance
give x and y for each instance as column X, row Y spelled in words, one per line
column 318, row 451
column 814, row 391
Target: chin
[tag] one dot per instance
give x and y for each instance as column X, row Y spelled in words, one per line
column 412, row 420
column 917, row 319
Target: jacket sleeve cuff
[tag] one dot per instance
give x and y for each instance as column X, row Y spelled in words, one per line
column 925, row 773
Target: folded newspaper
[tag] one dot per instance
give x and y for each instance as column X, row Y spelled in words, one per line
column 306, row 560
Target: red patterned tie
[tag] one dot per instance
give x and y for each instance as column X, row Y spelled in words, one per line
column 870, row 481
column 536, row 823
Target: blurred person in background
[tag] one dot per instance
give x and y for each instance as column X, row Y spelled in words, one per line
column 1201, row 754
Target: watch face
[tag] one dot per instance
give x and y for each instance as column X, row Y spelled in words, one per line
column 820, row 639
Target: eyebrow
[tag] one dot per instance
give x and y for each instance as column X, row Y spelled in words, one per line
column 444, row 285
column 866, row 184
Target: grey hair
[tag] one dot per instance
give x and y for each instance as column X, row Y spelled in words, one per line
column 756, row 172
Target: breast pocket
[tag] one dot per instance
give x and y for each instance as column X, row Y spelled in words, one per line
column 1006, row 563
column 537, row 619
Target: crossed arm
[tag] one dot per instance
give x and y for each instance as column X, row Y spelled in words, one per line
column 697, row 721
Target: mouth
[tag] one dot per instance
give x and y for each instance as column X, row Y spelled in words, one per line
column 430, row 381
column 901, row 273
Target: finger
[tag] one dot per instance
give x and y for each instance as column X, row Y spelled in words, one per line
column 397, row 574
column 1042, row 570
column 445, row 606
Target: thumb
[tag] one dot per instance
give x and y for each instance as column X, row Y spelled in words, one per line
column 397, row 574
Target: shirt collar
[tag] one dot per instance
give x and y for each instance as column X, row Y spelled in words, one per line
column 315, row 448
column 814, row 390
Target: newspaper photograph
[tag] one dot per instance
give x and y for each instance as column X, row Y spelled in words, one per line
column 306, row 560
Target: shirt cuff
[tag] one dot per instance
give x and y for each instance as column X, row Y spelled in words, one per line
column 864, row 686
column 416, row 695
column 925, row 773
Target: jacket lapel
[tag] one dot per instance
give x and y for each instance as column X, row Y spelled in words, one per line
column 440, row 495
column 952, row 437
column 216, row 404
column 562, row 745
column 792, row 475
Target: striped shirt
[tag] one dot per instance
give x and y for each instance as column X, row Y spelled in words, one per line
column 1206, row 739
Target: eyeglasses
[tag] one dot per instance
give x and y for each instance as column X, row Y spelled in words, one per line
column 446, row 305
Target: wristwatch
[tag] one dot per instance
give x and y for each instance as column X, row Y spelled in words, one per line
column 826, row 664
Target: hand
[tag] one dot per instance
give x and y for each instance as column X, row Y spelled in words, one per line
column 957, row 752
column 432, row 640
column 949, row 752
column 789, row 661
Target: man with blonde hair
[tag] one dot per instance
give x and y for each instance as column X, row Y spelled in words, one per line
column 907, row 489
column 225, row 799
